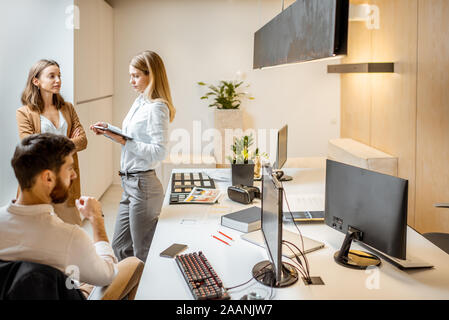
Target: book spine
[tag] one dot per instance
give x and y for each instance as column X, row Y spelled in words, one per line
column 234, row 224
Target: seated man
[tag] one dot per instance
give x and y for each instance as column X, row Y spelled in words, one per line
column 30, row 231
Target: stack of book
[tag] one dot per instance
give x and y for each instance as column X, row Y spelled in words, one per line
column 245, row 220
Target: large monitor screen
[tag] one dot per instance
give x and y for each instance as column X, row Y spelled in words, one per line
column 281, row 154
column 371, row 202
column 272, row 218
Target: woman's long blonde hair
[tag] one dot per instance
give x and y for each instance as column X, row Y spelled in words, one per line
column 151, row 64
column 31, row 96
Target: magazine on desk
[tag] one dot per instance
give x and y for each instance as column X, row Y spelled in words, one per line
column 203, row 196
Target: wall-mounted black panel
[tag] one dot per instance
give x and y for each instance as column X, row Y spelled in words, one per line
column 306, row 30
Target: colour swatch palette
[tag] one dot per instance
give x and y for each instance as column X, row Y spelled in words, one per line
column 182, row 183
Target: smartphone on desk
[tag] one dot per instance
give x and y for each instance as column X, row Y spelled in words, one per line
column 173, row 250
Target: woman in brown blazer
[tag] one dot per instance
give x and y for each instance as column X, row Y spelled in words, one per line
column 44, row 110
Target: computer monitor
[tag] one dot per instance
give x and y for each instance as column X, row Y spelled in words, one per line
column 273, row 272
column 281, row 153
column 369, row 207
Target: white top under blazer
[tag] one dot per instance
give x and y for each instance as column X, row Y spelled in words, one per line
column 48, row 127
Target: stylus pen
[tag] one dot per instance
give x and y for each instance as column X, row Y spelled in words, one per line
column 221, row 240
column 225, row 235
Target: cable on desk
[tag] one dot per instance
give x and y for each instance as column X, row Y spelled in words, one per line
column 306, row 262
column 296, row 255
column 240, row 285
column 300, row 267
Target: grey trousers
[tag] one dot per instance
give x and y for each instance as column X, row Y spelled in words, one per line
column 138, row 215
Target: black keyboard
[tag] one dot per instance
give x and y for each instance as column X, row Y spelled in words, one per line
column 203, row 282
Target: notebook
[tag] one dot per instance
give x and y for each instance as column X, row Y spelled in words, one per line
column 245, row 220
column 310, row 245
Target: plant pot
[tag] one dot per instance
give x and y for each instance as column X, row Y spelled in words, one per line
column 226, row 120
column 242, row 174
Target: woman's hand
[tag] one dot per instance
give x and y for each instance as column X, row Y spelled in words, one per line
column 113, row 136
column 117, row 138
column 75, row 133
column 98, row 131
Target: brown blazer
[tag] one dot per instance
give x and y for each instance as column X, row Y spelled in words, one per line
column 29, row 123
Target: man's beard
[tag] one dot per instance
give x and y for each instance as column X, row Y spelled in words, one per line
column 60, row 192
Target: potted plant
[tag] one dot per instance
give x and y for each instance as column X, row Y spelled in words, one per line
column 226, row 98
column 244, row 162
column 226, row 94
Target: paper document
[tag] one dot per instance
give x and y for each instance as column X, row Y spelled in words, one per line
column 304, row 202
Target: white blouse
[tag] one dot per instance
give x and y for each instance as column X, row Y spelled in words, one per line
column 48, row 127
column 147, row 123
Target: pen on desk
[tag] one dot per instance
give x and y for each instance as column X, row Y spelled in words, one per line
column 225, row 235
column 221, row 240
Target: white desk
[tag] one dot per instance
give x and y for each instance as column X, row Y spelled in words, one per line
column 194, row 224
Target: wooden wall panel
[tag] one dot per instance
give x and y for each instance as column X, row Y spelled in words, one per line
column 432, row 161
column 94, row 51
column 380, row 109
column 393, row 96
column 93, row 87
column 356, row 88
column 96, row 161
column 405, row 114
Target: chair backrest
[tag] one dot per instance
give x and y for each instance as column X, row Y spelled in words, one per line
column 20, row 280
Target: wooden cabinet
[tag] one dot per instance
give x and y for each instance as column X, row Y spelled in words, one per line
column 96, row 161
column 93, row 90
column 94, row 51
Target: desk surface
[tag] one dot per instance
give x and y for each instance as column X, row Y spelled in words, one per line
column 194, row 224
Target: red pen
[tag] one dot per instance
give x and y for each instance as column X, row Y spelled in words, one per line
column 221, row 240
column 225, row 235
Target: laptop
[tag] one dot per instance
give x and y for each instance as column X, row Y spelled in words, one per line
column 310, row 245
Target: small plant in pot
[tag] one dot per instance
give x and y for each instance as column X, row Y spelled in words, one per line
column 243, row 161
column 226, row 95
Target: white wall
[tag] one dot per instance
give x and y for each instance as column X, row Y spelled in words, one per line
column 202, row 40
column 29, row 30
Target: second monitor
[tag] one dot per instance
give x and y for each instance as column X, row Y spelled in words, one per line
column 369, row 207
column 273, row 272
column 281, row 154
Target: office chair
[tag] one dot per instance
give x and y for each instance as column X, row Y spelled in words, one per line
column 20, row 280
column 441, row 240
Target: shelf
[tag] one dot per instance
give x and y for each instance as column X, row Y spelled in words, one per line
column 369, row 67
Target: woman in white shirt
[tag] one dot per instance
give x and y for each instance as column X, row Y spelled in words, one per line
column 147, row 124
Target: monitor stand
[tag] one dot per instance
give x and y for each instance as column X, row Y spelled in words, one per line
column 264, row 273
column 354, row 258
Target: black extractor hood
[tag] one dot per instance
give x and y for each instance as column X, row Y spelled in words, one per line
column 306, row 30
